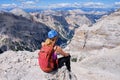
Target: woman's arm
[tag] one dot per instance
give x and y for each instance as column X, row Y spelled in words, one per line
column 60, row 51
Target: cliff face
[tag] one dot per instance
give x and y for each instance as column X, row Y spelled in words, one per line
column 18, row 33
column 104, row 33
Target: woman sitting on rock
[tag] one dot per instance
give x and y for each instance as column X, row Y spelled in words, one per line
column 53, row 61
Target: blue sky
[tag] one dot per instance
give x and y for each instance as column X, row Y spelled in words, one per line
column 58, row 3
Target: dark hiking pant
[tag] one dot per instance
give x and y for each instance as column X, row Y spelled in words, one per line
column 64, row 61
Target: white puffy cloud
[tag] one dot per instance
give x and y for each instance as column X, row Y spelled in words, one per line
column 8, row 5
column 22, row 4
column 117, row 4
column 28, row 3
column 27, row 0
column 59, row 5
column 88, row 4
column 94, row 5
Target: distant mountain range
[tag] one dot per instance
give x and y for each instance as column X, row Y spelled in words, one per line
column 86, row 9
column 91, row 13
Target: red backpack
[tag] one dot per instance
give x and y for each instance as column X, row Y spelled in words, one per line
column 46, row 61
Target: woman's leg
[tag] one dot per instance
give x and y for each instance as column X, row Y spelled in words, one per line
column 66, row 61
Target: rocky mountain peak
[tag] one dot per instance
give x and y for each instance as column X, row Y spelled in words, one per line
column 20, row 12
